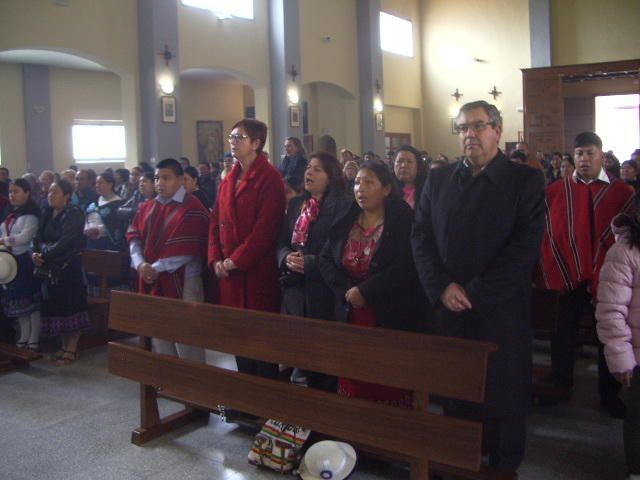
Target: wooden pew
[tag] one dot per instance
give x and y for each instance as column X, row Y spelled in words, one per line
column 450, row 368
column 12, row 357
column 105, row 265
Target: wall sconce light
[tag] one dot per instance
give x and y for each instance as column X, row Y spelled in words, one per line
column 166, row 85
column 378, row 106
column 292, row 92
column 494, row 93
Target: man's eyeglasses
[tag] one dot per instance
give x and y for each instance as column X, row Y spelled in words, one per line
column 236, row 138
column 476, row 127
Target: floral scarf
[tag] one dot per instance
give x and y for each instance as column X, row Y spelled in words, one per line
column 301, row 229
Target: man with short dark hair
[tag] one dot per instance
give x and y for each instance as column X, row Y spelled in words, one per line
column 475, row 242
column 84, row 194
column 578, row 235
column 4, row 175
column 168, row 246
column 207, row 182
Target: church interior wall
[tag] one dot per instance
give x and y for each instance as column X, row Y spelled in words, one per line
column 472, row 46
column 203, row 99
column 402, row 120
column 591, row 31
column 12, row 135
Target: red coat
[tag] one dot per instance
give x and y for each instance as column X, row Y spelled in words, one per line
column 245, row 224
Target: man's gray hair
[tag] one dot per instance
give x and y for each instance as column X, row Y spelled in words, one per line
column 492, row 112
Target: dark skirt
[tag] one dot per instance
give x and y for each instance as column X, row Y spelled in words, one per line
column 64, row 305
column 22, row 296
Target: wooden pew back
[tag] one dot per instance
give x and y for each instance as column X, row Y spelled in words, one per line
column 452, row 368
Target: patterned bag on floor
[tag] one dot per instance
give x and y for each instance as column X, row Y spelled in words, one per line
column 277, row 446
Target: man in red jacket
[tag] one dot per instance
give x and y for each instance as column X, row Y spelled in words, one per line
column 578, row 234
column 168, row 244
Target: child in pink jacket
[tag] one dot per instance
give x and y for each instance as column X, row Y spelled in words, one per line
column 618, row 325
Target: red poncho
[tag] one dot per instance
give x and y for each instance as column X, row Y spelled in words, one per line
column 169, row 230
column 578, row 231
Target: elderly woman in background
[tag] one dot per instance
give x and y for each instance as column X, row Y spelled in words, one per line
column 244, row 229
column 411, row 173
column 304, row 232
column 57, row 259
column 368, row 264
column 102, row 228
column 21, row 298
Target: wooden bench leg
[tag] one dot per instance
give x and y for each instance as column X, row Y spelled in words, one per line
column 419, row 470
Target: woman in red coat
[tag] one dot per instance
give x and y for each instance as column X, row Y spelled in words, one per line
column 245, row 223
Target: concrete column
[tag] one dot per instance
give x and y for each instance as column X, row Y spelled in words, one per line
column 370, row 68
column 157, row 28
column 540, row 33
column 284, row 52
column 37, row 118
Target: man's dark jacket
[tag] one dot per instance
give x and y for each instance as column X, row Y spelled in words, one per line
column 484, row 233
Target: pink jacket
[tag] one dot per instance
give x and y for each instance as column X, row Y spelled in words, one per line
column 618, row 307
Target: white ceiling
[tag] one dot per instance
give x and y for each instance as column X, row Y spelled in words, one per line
column 53, row 59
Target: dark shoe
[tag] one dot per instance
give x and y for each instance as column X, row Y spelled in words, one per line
column 615, row 407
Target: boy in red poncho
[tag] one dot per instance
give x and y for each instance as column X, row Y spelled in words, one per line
column 168, row 246
column 578, row 234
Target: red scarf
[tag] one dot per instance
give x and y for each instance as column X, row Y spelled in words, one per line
column 578, row 231
column 301, row 229
column 169, row 230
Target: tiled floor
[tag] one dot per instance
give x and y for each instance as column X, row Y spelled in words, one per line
column 75, row 423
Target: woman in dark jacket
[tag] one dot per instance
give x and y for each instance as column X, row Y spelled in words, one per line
column 304, row 232
column 368, row 264
column 57, row 259
column 411, row 173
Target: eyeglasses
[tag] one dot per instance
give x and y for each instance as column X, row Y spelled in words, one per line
column 476, row 126
column 236, row 138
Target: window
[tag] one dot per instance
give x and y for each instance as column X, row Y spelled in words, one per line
column 98, row 143
column 617, row 123
column 396, row 35
column 224, row 8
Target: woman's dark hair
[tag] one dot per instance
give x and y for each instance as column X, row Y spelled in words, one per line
column 108, row 177
column 124, row 174
column 146, row 167
column 519, row 155
column 66, row 187
column 296, row 141
column 31, row 206
column 332, row 168
column 623, row 220
column 149, row 176
column 193, row 173
column 630, row 163
column 383, row 173
column 568, row 158
column 420, row 163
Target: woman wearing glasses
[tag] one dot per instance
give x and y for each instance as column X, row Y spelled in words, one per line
column 245, row 224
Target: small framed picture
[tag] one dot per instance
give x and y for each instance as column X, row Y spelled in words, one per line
column 453, row 127
column 379, row 122
column 294, row 116
column 168, row 109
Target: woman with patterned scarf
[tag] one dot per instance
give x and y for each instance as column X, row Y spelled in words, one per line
column 304, row 232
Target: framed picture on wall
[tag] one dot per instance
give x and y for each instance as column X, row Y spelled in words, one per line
column 294, row 116
column 453, row 127
column 168, row 109
column 379, row 122
column 210, row 142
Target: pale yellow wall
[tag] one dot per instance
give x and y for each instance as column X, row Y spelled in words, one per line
column 12, row 135
column 332, row 112
column 453, row 33
column 402, row 75
column 80, row 95
column 208, row 100
column 401, row 120
column 329, row 43
column 235, row 45
column 590, row 31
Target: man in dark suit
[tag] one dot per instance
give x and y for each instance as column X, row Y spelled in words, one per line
column 475, row 242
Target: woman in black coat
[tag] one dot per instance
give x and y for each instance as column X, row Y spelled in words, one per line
column 367, row 261
column 304, row 232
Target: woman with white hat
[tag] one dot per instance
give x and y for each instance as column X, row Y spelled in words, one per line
column 21, row 298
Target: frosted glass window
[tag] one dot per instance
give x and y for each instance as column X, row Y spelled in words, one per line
column 224, row 8
column 396, row 35
column 98, row 143
column 618, row 123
